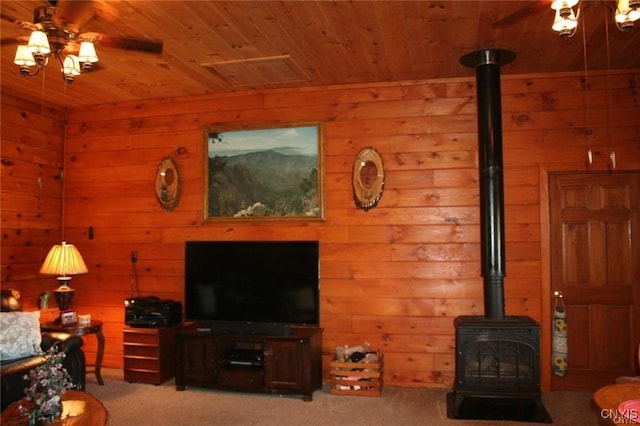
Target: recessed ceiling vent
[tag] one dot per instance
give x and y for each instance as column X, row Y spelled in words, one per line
column 264, row 71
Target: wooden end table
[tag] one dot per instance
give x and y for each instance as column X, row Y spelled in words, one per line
column 78, row 409
column 95, row 327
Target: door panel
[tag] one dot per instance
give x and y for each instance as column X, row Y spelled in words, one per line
column 579, row 350
column 595, row 253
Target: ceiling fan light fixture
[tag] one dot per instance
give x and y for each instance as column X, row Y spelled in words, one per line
column 627, row 11
column 564, row 8
column 37, row 52
column 56, row 32
column 624, row 15
column 626, row 25
column 70, row 68
column 87, row 52
column 24, row 57
column 39, row 44
column 565, row 26
column 566, row 21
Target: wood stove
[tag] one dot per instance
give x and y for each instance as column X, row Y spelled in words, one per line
column 497, row 356
column 497, row 370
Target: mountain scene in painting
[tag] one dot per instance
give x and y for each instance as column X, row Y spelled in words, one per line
column 273, row 182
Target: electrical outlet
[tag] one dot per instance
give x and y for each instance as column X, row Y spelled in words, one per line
column 134, row 256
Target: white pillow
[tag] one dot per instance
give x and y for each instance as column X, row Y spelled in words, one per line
column 19, row 335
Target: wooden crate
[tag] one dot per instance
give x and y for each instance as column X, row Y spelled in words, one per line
column 356, row 378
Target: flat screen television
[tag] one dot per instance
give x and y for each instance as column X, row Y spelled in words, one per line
column 243, row 286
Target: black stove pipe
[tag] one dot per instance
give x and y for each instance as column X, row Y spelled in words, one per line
column 487, row 64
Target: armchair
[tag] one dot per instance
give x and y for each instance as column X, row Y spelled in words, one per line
column 13, row 370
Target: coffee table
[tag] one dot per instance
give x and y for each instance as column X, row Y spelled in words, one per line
column 78, row 409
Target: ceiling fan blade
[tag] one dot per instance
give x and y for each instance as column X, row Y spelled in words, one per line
column 8, row 41
column 105, row 10
column 23, row 24
column 14, row 40
column 530, row 9
column 127, row 43
column 74, row 14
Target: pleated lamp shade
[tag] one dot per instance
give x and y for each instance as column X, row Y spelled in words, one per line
column 64, row 260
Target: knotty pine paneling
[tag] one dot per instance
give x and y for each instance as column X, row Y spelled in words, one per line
column 395, row 276
column 31, row 171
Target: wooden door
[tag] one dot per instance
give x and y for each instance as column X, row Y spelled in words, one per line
column 595, row 263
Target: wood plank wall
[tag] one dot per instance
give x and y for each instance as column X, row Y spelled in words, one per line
column 31, row 172
column 395, row 276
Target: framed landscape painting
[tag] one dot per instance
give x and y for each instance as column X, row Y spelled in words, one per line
column 266, row 173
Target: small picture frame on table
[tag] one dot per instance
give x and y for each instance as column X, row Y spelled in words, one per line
column 68, row 318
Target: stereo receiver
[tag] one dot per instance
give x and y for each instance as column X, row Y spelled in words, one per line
column 151, row 311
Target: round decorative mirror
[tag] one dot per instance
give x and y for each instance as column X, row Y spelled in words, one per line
column 368, row 179
column 167, row 185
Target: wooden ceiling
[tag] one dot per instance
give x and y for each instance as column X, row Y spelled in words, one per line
column 217, row 46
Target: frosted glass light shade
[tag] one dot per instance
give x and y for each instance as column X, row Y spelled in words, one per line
column 24, row 57
column 39, row 43
column 627, row 11
column 561, row 24
column 87, row 52
column 71, row 66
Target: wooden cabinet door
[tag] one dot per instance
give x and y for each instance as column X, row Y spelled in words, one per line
column 595, row 263
column 195, row 360
column 283, row 364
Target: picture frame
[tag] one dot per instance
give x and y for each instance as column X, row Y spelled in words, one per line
column 264, row 173
column 68, row 318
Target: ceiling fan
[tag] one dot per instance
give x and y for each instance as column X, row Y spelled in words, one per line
column 55, row 32
column 625, row 13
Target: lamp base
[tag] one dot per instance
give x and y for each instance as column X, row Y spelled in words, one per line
column 64, row 297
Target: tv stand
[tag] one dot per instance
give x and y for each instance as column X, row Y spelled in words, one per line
column 259, row 363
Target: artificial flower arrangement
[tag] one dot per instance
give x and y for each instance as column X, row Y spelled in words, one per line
column 48, row 382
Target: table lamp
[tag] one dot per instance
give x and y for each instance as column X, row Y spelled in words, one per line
column 64, row 260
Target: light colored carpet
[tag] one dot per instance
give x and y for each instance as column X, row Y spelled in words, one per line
column 143, row 404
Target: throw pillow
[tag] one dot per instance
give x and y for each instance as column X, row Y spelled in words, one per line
column 19, row 335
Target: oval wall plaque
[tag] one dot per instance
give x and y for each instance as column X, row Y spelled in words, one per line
column 368, row 179
column 168, row 185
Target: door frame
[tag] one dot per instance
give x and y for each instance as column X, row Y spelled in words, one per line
column 545, row 267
